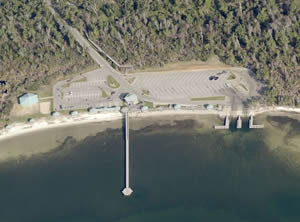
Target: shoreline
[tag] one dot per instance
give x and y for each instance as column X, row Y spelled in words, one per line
column 21, row 128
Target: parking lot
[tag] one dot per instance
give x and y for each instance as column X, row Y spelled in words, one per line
column 183, row 87
column 85, row 91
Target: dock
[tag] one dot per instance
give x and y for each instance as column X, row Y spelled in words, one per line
column 127, row 191
column 226, row 125
column 239, row 122
column 251, row 124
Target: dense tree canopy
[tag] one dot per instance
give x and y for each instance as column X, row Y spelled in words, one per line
column 263, row 35
column 33, row 48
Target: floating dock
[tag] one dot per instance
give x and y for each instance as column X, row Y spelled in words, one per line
column 239, row 122
column 252, row 126
column 226, row 126
column 127, row 191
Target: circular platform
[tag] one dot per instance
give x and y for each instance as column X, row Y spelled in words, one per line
column 127, row 191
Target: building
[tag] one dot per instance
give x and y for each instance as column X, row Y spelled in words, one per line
column 28, row 99
column 144, row 108
column 177, row 106
column 209, row 107
column 131, row 99
column 73, row 113
column 55, row 114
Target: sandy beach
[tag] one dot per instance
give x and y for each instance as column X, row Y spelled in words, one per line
column 90, row 124
column 16, row 129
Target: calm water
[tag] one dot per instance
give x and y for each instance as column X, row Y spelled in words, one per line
column 178, row 173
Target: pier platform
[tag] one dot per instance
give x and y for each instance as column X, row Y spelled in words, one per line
column 226, row 125
column 251, row 124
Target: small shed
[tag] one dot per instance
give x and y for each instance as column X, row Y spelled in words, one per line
column 131, row 99
column 55, row 114
column 209, row 107
column 28, row 99
column 177, row 106
column 73, row 113
column 93, row 110
column 144, row 108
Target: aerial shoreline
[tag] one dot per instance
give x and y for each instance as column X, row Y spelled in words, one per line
column 20, row 128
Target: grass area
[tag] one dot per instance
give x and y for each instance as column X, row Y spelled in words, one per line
column 244, row 87
column 297, row 3
column 83, row 79
column 131, row 79
column 208, row 98
column 146, row 92
column 112, row 83
column 104, row 94
column 149, row 104
column 212, row 62
column 232, row 76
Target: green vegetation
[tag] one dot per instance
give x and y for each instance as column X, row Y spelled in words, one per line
column 112, row 83
column 146, row 92
column 262, row 35
column 244, row 87
column 231, row 76
column 208, row 98
column 104, row 94
column 83, row 79
column 149, row 104
column 35, row 49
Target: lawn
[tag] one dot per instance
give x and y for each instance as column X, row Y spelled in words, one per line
column 243, row 86
column 149, row 104
column 208, row 98
column 231, row 76
column 112, row 83
column 104, row 94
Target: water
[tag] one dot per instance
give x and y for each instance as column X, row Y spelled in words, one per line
column 178, row 173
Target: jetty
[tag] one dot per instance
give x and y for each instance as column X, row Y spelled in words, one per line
column 239, row 122
column 226, row 125
column 127, row 191
column 252, row 126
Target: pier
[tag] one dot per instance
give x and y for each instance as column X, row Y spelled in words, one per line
column 239, row 122
column 226, row 126
column 252, row 126
column 127, row 191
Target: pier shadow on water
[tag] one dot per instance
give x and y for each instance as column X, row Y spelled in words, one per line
column 178, row 173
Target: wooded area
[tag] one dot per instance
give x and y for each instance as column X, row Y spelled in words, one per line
column 33, row 49
column 262, row 35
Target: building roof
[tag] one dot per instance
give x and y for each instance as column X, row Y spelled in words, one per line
column 28, row 99
column 131, row 98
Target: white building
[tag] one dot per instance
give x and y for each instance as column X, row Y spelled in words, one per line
column 131, row 99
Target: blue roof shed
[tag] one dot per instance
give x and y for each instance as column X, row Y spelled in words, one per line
column 28, row 99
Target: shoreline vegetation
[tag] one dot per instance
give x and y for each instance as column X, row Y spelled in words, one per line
column 8, row 134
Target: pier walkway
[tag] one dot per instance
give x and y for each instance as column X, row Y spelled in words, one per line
column 127, row 191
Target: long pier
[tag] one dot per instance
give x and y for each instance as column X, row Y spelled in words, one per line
column 127, row 191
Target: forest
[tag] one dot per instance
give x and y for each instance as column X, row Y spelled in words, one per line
column 263, row 35
column 34, row 49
